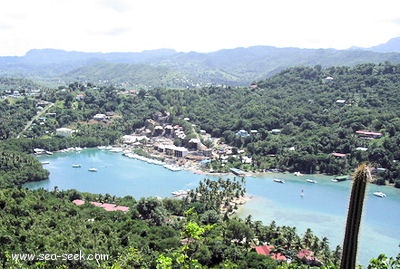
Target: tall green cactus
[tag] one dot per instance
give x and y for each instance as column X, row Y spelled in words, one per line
column 350, row 242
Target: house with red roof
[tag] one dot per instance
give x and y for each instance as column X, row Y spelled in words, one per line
column 267, row 250
column 340, row 155
column 307, row 256
column 368, row 134
column 78, row 202
column 106, row 206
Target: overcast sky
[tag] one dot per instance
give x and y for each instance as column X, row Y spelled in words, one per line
column 188, row 25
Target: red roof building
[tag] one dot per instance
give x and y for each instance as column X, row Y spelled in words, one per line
column 266, row 251
column 96, row 203
column 78, row 202
column 368, row 134
column 308, row 257
column 106, row 206
column 341, row 155
column 121, row 208
column 305, row 253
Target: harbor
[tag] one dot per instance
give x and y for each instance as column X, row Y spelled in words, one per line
column 322, row 207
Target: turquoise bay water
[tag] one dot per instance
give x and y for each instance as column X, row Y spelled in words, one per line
column 323, row 207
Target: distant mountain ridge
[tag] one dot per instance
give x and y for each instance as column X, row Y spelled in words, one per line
column 393, row 45
column 169, row 68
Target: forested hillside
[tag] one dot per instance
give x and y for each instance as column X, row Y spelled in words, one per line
column 317, row 111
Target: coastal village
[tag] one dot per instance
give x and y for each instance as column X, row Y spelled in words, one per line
column 155, row 142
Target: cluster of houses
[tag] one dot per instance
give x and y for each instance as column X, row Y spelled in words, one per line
column 167, row 130
column 18, row 93
column 307, row 256
column 67, row 132
column 243, row 133
column 362, row 134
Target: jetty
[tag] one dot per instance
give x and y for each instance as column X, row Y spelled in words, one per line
column 238, row 172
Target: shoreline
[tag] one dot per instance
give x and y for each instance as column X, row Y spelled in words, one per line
column 191, row 166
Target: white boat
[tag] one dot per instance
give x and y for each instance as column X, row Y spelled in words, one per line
column 180, row 192
column 311, row 180
column 76, row 165
column 278, row 180
column 379, row 194
column 45, row 162
column 92, row 169
column 298, row 174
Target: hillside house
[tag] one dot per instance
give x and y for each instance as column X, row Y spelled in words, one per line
column 276, row 131
column 64, row 132
column 79, row 97
column 168, row 129
column 105, row 206
column 340, row 155
column 100, row 117
column 267, row 250
column 158, row 130
column 242, row 133
column 194, row 144
column 368, row 134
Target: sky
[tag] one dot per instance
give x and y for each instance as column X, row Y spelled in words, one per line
column 189, row 25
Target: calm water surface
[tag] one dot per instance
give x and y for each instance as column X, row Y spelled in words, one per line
column 322, row 207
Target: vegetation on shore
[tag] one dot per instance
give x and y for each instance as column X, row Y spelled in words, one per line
column 182, row 231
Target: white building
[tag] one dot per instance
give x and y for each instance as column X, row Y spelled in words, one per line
column 100, row 117
column 64, row 132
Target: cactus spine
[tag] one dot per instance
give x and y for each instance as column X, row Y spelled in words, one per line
column 350, row 242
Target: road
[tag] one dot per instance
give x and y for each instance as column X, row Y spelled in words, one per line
column 38, row 115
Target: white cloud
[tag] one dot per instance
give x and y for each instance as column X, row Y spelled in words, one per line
column 185, row 25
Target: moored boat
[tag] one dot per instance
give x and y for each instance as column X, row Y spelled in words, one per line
column 311, row 180
column 278, row 180
column 379, row 194
column 180, row 192
column 76, row 165
column 92, row 169
column 341, row 178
